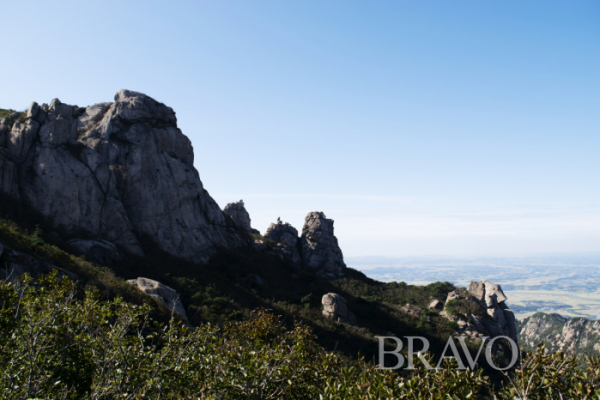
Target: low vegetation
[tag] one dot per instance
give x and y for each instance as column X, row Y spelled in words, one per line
column 5, row 113
column 58, row 343
column 101, row 338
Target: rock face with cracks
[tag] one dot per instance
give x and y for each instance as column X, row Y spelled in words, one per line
column 501, row 320
column 286, row 237
column 118, row 172
column 320, row 249
column 240, row 217
column 574, row 336
column 335, row 308
column 482, row 314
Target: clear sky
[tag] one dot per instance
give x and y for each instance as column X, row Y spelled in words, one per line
column 461, row 128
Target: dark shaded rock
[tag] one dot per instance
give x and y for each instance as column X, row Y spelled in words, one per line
column 320, row 249
column 286, row 237
column 239, row 216
column 413, row 310
column 19, row 263
column 335, row 308
column 101, row 251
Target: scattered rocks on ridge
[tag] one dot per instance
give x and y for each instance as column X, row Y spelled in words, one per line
column 239, row 216
column 574, row 336
column 320, row 249
column 161, row 292
column 286, row 237
column 335, row 308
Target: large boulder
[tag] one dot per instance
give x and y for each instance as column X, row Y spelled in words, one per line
column 240, row 217
column 161, row 292
column 436, row 305
column 335, row 308
column 320, row 249
column 120, row 172
column 286, row 237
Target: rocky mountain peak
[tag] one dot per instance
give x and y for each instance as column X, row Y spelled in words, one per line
column 120, row 172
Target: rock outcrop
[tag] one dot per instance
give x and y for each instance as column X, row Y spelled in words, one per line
column 436, row 305
column 480, row 312
column 120, row 172
column 453, row 295
column 240, row 217
column 18, row 263
column 102, row 251
column 501, row 319
column 335, row 308
column 320, row 249
column 574, row 336
column 286, row 237
column 412, row 310
column 161, row 292
column 316, row 249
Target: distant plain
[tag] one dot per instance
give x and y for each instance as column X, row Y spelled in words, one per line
column 567, row 284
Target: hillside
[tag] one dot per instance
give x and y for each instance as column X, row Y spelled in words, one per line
column 115, row 182
column 108, row 197
column 575, row 336
column 95, row 345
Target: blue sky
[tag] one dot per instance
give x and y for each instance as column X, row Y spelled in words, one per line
column 463, row 128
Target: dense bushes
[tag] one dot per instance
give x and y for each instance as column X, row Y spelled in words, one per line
column 58, row 344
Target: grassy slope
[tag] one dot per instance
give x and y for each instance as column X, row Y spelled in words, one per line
column 224, row 289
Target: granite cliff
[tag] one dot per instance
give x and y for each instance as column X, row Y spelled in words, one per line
column 574, row 336
column 116, row 178
column 115, row 174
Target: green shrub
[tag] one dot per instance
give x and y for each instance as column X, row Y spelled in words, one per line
column 5, row 113
column 58, row 343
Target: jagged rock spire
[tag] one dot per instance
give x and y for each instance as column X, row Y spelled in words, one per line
column 239, row 216
column 320, row 249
